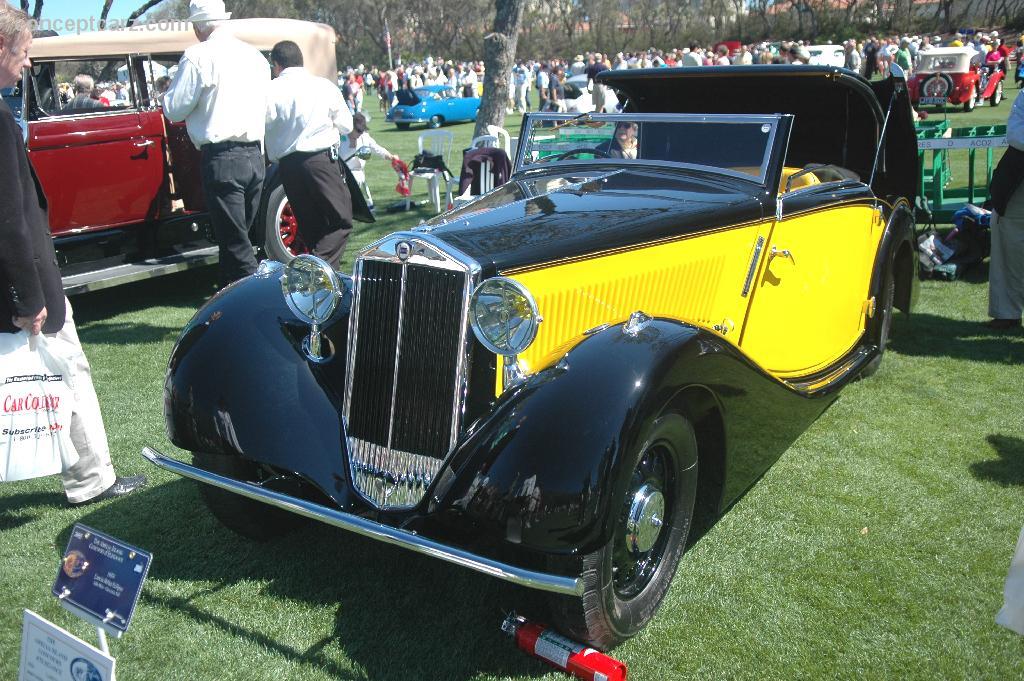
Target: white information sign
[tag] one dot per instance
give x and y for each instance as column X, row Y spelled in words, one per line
column 48, row 653
column 963, row 143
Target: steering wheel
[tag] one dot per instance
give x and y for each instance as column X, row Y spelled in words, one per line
column 575, row 152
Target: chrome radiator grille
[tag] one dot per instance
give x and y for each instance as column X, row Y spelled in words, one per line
column 407, row 367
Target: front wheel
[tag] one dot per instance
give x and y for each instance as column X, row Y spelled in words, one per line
column 970, row 103
column 282, row 241
column 997, row 96
column 435, row 122
column 626, row 579
column 247, row 517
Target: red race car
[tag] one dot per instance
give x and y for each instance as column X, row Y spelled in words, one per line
column 955, row 75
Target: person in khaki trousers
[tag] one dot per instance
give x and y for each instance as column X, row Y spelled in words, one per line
column 31, row 293
column 1006, row 268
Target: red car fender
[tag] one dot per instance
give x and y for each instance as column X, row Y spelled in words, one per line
column 993, row 82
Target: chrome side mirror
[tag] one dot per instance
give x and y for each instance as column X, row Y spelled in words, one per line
column 899, row 75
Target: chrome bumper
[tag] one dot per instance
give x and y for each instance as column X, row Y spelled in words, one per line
column 389, row 535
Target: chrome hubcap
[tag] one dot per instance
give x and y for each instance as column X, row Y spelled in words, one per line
column 645, row 520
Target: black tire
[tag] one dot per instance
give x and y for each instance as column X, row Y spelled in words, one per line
column 883, row 328
column 402, row 126
column 274, row 244
column 435, row 122
column 973, row 101
column 997, row 96
column 249, row 518
column 625, row 584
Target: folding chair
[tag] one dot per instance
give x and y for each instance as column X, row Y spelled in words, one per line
column 438, row 142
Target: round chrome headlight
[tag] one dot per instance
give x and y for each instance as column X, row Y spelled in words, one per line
column 311, row 288
column 504, row 316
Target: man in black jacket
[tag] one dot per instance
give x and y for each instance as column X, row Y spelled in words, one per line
column 31, row 293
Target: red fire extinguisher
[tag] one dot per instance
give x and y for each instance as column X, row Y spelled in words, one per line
column 569, row 656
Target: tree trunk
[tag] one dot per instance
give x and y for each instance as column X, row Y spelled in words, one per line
column 499, row 58
column 104, row 13
column 134, row 16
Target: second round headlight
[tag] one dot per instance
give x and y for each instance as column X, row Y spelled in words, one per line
column 504, row 316
column 311, row 288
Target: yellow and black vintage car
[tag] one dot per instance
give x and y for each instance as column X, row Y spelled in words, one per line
column 550, row 383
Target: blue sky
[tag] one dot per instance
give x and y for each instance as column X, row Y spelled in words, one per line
column 79, row 9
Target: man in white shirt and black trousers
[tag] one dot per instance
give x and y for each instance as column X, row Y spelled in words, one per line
column 218, row 91
column 306, row 116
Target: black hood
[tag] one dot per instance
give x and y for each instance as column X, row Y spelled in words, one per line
column 538, row 219
column 838, row 115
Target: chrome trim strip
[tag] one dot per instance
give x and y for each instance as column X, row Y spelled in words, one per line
column 569, row 586
column 398, row 352
column 758, row 247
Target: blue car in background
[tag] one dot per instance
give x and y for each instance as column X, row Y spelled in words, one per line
column 433, row 105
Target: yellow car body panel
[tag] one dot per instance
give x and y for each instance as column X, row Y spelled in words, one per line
column 808, row 307
column 698, row 279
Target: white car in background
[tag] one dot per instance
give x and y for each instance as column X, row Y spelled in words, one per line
column 578, row 98
column 827, row 55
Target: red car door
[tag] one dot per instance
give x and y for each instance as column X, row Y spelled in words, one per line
column 100, row 170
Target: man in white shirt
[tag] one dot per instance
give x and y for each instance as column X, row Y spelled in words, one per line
column 217, row 91
column 305, row 118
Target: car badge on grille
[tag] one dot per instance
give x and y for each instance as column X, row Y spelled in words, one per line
column 403, row 249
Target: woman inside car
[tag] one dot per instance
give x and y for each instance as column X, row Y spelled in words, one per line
column 623, row 143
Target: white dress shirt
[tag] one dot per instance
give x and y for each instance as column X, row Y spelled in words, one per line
column 304, row 113
column 218, row 91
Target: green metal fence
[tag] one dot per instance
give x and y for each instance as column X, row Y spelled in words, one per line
column 943, row 153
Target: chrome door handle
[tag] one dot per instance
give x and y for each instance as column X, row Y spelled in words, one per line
column 776, row 253
column 143, row 144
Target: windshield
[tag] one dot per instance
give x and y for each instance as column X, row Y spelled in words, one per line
column 425, row 94
column 737, row 145
column 943, row 62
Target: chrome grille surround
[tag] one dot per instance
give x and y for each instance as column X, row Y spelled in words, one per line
column 386, row 475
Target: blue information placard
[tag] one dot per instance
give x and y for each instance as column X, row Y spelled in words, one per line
column 100, row 578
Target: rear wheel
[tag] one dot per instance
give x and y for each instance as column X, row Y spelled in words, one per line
column 884, row 312
column 435, row 121
column 626, row 579
column 972, row 102
column 247, row 517
column 282, row 242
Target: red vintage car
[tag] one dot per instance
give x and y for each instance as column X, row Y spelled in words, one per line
column 955, row 75
column 122, row 181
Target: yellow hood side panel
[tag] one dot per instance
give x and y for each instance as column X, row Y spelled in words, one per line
column 698, row 279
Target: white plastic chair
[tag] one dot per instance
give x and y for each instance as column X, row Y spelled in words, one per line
column 438, row 142
column 484, row 141
column 502, row 134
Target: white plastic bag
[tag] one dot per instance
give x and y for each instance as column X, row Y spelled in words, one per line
column 1012, row 614
column 36, row 402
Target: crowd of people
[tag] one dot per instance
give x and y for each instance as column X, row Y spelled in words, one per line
column 547, row 76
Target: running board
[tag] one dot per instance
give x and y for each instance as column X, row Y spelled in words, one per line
column 367, row 528
column 137, row 271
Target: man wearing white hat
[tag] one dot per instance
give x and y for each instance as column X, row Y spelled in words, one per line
column 219, row 91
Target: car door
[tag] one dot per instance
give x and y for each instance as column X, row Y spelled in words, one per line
column 184, row 182
column 100, row 167
column 810, row 299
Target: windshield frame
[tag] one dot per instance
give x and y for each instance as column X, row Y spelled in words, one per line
column 778, row 132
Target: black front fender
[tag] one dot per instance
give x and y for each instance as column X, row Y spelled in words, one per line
column 239, row 384
column 548, row 466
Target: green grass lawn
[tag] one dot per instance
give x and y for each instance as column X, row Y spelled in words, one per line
column 875, row 548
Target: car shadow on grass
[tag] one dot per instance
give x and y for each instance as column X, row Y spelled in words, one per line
column 928, row 335
column 398, row 615
column 1008, row 469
